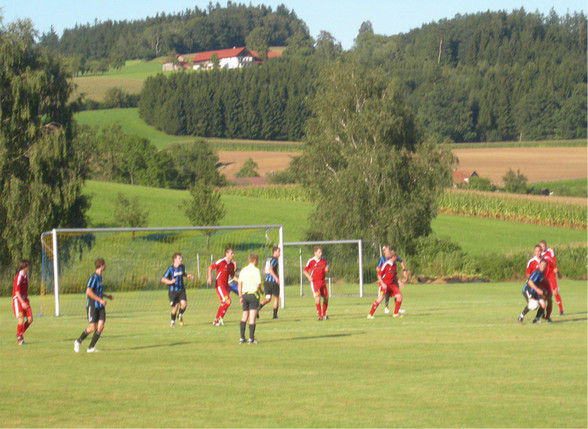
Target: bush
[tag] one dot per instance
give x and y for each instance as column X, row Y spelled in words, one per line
column 480, row 184
column 248, row 169
column 515, row 183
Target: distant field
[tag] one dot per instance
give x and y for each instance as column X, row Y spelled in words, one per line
column 474, row 235
column 566, row 188
column 458, row 358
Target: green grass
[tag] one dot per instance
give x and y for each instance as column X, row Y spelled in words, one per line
column 565, row 188
column 457, row 359
column 131, row 123
column 162, row 205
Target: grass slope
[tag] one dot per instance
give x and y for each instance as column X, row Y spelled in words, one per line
column 474, row 235
column 458, row 358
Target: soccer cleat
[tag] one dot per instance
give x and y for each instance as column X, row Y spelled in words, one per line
column 397, row 315
column 320, row 319
column 250, row 341
column 181, row 322
column 76, row 346
column 520, row 319
column 92, row 350
column 325, row 317
column 172, row 323
column 561, row 313
column 386, row 310
column 242, row 340
column 548, row 320
column 275, row 317
column 220, row 322
column 536, row 320
column 370, row 316
column 20, row 341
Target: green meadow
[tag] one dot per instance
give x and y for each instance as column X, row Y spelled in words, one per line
column 474, row 235
column 458, row 358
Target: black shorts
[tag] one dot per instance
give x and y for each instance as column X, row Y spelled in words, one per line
column 95, row 314
column 271, row 288
column 530, row 293
column 176, row 296
column 250, row 302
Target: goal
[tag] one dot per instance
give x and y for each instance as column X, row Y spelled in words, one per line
column 346, row 259
column 137, row 258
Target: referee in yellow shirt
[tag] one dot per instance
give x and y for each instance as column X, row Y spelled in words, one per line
column 249, row 290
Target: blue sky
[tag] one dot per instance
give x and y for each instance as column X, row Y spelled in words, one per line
column 341, row 18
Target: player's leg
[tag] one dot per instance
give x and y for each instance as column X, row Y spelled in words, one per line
column 182, row 309
column 243, row 323
column 376, row 303
column 252, row 317
column 317, row 304
column 397, row 304
column 386, row 308
column 97, row 332
column 540, row 311
column 275, row 306
column 19, row 315
column 325, row 302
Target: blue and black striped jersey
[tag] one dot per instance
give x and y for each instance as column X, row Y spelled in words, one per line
column 270, row 262
column 536, row 276
column 178, row 273
column 95, row 283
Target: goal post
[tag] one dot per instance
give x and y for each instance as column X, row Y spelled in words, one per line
column 345, row 257
column 137, row 258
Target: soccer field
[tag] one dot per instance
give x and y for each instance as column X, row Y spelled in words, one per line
column 458, row 358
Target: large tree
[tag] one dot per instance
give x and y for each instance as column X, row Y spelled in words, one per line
column 40, row 173
column 365, row 164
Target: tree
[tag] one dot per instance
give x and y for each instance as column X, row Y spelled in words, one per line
column 515, row 183
column 205, row 207
column 258, row 41
column 41, row 175
column 194, row 163
column 364, row 162
column 128, row 213
column 248, row 169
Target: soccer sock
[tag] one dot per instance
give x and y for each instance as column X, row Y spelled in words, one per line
column 318, row 309
column 252, row 331
column 549, row 308
column 95, row 339
column 387, row 300
column 173, row 317
column 397, row 306
column 224, row 309
column 19, row 330
column 374, row 306
column 325, row 305
column 83, row 336
column 26, row 326
column 181, row 313
column 558, row 300
column 525, row 311
column 275, row 313
column 242, row 329
column 539, row 313
column 219, row 312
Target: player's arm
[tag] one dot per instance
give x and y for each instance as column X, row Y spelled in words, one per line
column 90, row 293
column 240, row 290
column 22, row 300
column 326, row 267
column 209, row 274
column 534, row 286
column 404, row 271
column 273, row 274
column 167, row 281
column 307, row 275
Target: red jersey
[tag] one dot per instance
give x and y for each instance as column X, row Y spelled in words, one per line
column 224, row 270
column 549, row 256
column 20, row 284
column 387, row 272
column 532, row 265
column 317, row 269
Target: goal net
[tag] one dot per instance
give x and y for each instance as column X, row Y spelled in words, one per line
column 351, row 265
column 136, row 260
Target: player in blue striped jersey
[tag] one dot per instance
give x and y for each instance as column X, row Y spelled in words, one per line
column 174, row 278
column 95, row 306
column 271, row 282
column 532, row 291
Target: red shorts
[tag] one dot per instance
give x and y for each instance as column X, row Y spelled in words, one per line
column 319, row 289
column 222, row 292
column 393, row 289
column 19, row 311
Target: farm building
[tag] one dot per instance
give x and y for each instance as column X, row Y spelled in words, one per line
column 460, row 177
column 179, row 64
column 227, row 59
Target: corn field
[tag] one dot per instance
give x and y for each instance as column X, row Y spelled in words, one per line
column 539, row 210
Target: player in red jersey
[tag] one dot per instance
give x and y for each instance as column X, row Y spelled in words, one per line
column 20, row 302
column 550, row 279
column 315, row 270
column 225, row 268
column 533, row 263
column 388, row 283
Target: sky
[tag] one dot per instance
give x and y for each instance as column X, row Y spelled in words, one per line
column 341, row 18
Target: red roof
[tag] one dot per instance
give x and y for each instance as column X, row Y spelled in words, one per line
column 230, row 53
column 221, row 53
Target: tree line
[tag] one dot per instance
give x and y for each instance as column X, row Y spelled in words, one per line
column 492, row 76
column 258, row 102
column 95, row 47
